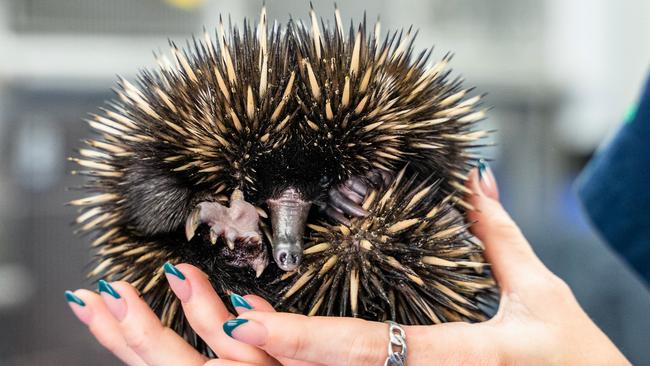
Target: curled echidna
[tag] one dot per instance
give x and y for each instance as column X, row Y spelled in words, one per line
column 350, row 141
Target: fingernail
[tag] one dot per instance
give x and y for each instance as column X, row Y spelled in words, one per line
column 105, row 287
column 177, row 282
column 72, row 298
column 172, row 270
column 230, row 325
column 486, row 179
column 78, row 307
column 247, row 331
column 239, row 302
column 482, row 169
column 114, row 302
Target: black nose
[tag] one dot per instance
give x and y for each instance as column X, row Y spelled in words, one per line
column 288, row 258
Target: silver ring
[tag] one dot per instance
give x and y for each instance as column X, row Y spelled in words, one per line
column 396, row 346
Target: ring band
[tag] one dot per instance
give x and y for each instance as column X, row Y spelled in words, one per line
column 396, row 346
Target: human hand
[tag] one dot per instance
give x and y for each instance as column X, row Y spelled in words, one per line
column 539, row 320
column 124, row 324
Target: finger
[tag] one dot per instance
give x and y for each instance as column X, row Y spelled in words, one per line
column 350, row 341
column 206, row 312
column 337, row 341
column 506, row 248
column 487, row 181
column 91, row 310
column 257, row 303
column 142, row 330
column 222, row 362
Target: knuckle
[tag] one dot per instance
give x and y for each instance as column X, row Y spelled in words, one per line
column 295, row 347
column 112, row 341
column 295, row 344
column 559, row 286
column 358, row 352
column 201, row 320
column 548, row 284
column 538, row 282
column 366, row 350
column 202, row 329
column 140, row 340
column 506, row 227
column 112, row 344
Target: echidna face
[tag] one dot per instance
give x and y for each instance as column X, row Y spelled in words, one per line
column 293, row 176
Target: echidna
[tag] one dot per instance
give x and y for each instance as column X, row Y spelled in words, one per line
column 350, row 141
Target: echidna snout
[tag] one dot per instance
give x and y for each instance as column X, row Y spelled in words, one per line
column 289, row 213
column 288, row 254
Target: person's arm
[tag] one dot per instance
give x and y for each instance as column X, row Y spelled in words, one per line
column 613, row 189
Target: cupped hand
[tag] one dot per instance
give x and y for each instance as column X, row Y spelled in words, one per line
column 539, row 320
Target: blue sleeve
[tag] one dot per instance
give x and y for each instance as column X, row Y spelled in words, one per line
column 615, row 189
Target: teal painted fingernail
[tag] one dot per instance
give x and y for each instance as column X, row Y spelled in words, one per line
column 104, row 286
column 239, row 302
column 230, row 325
column 172, row 270
column 71, row 297
column 482, row 168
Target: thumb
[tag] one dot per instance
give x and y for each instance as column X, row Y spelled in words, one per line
column 506, row 248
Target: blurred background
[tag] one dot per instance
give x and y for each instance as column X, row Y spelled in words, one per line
column 561, row 76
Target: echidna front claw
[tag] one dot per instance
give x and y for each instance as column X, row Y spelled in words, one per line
column 214, row 235
column 192, row 223
column 238, row 225
column 259, row 265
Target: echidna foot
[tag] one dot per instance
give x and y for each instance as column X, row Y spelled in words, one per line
column 237, row 223
column 346, row 199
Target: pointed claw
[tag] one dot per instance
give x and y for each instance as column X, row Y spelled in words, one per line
column 259, row 268
column 379, row 178
column 375, row 178
column 337, row 215
column 346, row 205
column 268, row 234
column 231, row 236
column 259, row 263
column 213, row 237
column 193, row 221
column 253, row 237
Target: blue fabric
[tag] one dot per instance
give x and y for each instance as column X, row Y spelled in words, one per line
column 615, row 189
